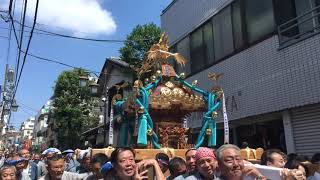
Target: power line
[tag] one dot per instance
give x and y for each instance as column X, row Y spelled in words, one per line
column 25, row 55
column 63, row 64
column 73, row 37
column 25, row 111
column 27, row 106
column 21, row 38
column 49, row 33
column 10, row 31
column 81, row 38
column 28, row 45
column 9, row 43
column 55, row 61
column 59, row 27
column 14, row 31
column 50, row 60
column 27, row 31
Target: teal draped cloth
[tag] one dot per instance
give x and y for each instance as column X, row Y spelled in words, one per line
column 208, row 122
column 145, row 121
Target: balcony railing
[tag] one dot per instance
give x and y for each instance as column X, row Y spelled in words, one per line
column 299, row 28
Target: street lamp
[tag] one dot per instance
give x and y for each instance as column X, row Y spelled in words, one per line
column 94, row 88
column 14, row 106
column 83, row 81
column 10, row 75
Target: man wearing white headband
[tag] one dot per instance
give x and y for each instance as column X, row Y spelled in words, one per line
column 71, row 164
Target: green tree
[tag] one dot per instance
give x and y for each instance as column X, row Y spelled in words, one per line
column 139, row 42
column 73, row 109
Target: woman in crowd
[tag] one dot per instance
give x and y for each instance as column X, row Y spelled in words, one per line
column 125, row 167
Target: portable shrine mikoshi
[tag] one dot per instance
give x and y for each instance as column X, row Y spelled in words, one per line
column 145, row 153
column 152, row 119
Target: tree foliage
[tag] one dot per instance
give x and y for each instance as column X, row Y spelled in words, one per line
column 73, row 109
column 138, row 42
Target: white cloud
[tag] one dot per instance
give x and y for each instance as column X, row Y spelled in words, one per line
column 81, row 17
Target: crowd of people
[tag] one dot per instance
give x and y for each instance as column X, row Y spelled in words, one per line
column 203, row 163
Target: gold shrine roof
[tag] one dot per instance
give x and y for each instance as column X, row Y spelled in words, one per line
column 171, row 94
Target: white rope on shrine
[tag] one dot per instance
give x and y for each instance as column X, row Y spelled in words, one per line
column 136, row 125
column 225, row 120
column 111, row 127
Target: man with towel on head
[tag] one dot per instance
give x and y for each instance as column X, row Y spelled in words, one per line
column 71, row 164
column 47, row 154
column 206, row 164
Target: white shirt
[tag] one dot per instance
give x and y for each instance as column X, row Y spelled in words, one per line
column 66, row 176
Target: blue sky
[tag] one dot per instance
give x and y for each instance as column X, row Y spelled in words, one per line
column 105, row 19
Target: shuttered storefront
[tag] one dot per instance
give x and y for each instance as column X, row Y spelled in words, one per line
column 306, row 129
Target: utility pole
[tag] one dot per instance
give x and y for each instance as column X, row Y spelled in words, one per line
column 5, row 94
column 8, row 103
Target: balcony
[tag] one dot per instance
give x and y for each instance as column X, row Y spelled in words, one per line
column 300, row 28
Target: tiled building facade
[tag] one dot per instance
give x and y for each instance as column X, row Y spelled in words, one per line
column 271, row 81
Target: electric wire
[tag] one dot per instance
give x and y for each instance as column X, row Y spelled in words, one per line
column 9, row 43
column 64, row 64
column 8, row 54
column 21, row 37
column 28, row 45
column 27, row 32
column 82, row 38
column 25, row 111
column 27, row 106
column 50, row 33
column 50, row 60
column 59, row 27
column 10, row 30
column 25, row 55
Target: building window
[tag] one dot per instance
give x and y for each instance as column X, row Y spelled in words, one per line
column 235, row 27
column 183, row 48
column 317, row 4
column 173, row 49
column 196, row 51
column 296, row 19
column 208, row 42
column 284, row 11
column 223, row 37
column 238, row 36
column 259, row 19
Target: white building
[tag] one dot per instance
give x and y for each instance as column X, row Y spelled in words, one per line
column 41, row 125
column 26, row 129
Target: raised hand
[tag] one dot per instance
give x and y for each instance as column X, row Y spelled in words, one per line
column 140, row 175
column 253, row 172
